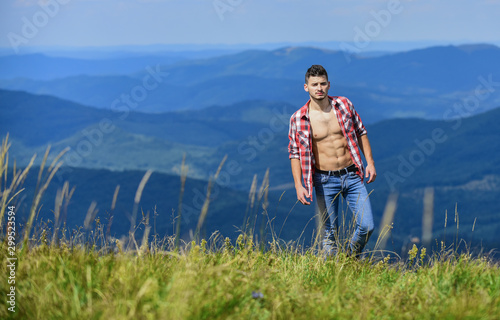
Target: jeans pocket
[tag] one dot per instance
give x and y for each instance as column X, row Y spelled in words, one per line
column 354, row 176
column 324, row 178
column 320, row 178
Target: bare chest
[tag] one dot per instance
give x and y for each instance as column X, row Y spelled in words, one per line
column 324, row 125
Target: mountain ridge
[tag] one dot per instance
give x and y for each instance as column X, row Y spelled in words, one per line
column 419, row 82
column 459, row 162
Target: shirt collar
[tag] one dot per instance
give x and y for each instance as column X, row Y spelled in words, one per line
column 304, row 111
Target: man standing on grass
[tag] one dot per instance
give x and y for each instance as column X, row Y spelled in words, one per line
column 326, row 136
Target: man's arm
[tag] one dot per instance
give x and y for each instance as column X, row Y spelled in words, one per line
column 297, row 178
column 293, row 150
column 364, row 144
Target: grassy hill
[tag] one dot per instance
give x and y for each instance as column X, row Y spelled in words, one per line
column 94, row 272
column 216, row 280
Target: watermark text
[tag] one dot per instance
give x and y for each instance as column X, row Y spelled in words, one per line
column 11, row 259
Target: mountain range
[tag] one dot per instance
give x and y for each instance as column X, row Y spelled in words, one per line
column 417, row 83
column 457, row 158
column 431, row 117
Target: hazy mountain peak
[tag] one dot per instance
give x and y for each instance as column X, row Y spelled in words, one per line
column 470, row 48
column 300, row 50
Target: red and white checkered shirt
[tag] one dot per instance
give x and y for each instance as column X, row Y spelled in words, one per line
column 300, row 145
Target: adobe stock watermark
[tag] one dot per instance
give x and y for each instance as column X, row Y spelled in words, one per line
column 122, row 105
column 248, row 148
column 30, row 27
column 425, row 148
column 221, row 7
column 372, row 29
column 11, row 259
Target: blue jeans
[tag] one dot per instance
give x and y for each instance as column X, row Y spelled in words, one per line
column 329, row 190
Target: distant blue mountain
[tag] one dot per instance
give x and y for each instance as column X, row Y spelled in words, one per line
column 41, row 67
column 437, row 70
column 442, row 69
column 40, row 119
column 421, row 83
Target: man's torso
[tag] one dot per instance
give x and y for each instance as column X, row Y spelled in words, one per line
column 329, row 146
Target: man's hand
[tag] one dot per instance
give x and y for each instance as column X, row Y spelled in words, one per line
column 371, row 173
column 302, row 195
column 364, row 144
column 297, row 178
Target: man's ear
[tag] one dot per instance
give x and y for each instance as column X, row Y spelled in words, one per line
column 306, row 88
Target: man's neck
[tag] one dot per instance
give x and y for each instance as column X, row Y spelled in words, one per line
column 320, row 105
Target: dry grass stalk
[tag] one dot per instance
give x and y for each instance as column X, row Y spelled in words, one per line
column 9, row 193
column 39, row 191
column 428, row 216
column 204, row 209
column 144, row 244
column 253, row 191
column 112, row 210
column 184, row 171
column 250, row 203
column 115, row 196
column 91, row 214
column 137, row 199
column 457, row 221
column 62, row 196
column 387, row 219
column 263, row 195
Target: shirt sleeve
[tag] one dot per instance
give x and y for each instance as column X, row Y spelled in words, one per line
column 358, row 124
column 293, row 148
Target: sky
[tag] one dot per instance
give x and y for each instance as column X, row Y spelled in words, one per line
column 84, row 23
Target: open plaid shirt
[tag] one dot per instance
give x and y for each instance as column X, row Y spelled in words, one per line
column 300, row 145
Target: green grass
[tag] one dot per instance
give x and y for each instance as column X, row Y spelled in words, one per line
column 209, row 283
column 86, row 275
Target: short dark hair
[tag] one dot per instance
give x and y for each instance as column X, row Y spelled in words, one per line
column 316, row 70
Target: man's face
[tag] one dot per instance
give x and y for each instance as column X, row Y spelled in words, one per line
column 317, row 87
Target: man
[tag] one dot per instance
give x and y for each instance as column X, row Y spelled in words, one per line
column 326, row 136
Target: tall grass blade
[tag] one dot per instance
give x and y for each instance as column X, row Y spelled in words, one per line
column 387, row 219
column 184, row 171
column 428, row 216
column 8, row 194
column 90, row 216
column 115, row 197
column 38, row 195
column 4, row 156
column 42, row 166
column 137, row 199
column 145, row 236
column 264, row 189
column 61, row 193
column 457, row 221
column 112, row 212
column 204, row 209
column 250, row 203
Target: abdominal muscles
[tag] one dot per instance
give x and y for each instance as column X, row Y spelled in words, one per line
column 329, row 145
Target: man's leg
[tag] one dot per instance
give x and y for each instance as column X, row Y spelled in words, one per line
column 359, row 203
column 327, row 197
